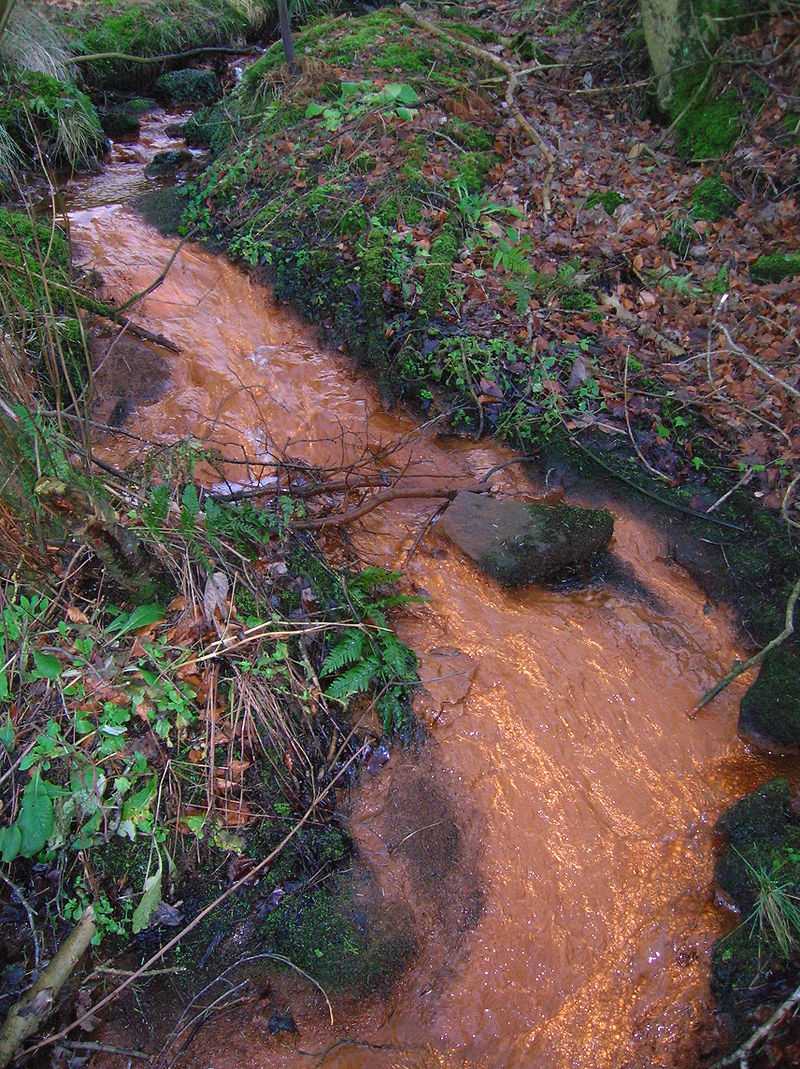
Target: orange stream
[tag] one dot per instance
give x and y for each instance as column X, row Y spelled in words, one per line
column 560, row 734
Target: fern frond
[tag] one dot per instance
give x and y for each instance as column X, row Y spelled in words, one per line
column 347, row 651
column 355, row 680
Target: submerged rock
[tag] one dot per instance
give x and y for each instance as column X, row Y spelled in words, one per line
column 769, row 713
column 194, row 85
column 518, row 543
column 167, row 163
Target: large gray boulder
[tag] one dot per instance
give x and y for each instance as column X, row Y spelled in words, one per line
column 519, row 543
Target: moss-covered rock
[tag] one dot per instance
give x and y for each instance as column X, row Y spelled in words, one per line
column 758, row 870
column 119, row 123
column 712, row 200
column 775, row 267
column 192, row 85
column 167, row 163
column 517, row 543
column 710, row 128
column 769, row 713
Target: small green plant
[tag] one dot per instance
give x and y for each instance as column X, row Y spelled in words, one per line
column 775, row 917
column 357, row 98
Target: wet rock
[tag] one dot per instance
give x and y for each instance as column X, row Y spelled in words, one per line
column 175, row 129
column 281, row 1022
column 769, row 713
column 189, row 86
column 119, row 123
column 167, row 163
column 519, row 543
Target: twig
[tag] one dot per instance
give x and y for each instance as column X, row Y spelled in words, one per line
column 337, row 519
column 741, row 482
column 634, row 443
column 751, row 360
column 741, row 1055
column 513, row 75
column 757, row 658
column 104, row 1048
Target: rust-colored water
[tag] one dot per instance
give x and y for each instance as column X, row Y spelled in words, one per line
column 571, row 926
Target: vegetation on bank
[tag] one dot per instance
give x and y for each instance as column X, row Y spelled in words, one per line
column 185, row 681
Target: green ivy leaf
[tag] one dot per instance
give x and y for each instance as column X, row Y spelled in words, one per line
column 149, row 902
column 141, row 616
column 47, row 665
column 36, row 818
column 10, row 843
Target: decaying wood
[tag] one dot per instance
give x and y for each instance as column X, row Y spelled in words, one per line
column 27, row 1016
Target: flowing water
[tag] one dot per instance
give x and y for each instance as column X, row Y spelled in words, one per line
column 554, row 838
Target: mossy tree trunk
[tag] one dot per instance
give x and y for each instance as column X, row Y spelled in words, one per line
column 681, row 36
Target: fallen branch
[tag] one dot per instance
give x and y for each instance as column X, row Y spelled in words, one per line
column 167, row 57
column 757, row 658
column 28, row 1014
column 741, row 1056
column 513, row 75
column 644, row 330
column 89, row 304
column 337, row 519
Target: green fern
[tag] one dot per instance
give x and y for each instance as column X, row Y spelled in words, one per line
column 348, row 651
column 355, row 680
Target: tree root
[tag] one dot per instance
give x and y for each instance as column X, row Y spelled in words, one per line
column 168, row 57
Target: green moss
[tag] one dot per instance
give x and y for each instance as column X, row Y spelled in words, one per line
column 189, row 86
column 324, row 935
column 608, row 198
column 118, row 122
column 468, row 135
column 709, row 129
column 775, row 267
column 473, row 167
column 712, row 200
column 405, row 58
column 444, row 250
column 770, row 710
column 762, row 849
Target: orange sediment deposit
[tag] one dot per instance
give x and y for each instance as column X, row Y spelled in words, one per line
column 554, row 839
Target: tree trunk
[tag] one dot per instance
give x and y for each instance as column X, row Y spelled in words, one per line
column 666, row 26
column 286, row 35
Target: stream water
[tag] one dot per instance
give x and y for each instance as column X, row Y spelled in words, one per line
column 554, row 838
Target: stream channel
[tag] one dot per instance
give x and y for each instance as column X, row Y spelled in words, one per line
column 554, row 837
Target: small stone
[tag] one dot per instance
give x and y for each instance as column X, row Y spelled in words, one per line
column 167, row 163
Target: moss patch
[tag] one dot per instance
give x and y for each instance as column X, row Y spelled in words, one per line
column 775, row 267
column 770, row 710
column 189, row 86
column 710, row 129
column 712, row 200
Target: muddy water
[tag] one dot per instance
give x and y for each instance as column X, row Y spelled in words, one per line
column 554, row 840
